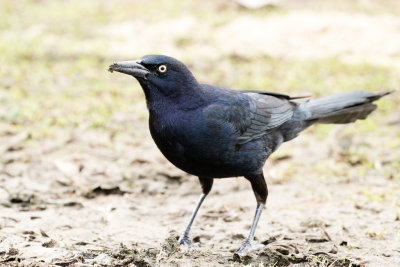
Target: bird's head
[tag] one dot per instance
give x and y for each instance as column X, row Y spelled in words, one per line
column 158, row 73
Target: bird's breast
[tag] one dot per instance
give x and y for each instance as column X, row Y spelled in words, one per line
column 203, row 149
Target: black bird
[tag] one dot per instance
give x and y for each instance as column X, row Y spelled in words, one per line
column 214, row 132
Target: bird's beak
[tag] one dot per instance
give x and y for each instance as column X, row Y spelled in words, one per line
column 133, row 68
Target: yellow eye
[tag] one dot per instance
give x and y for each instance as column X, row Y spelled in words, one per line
column 162, row 68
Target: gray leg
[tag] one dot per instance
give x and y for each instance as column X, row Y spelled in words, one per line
column 206, row 185
column 261, row 192
column 247, row 244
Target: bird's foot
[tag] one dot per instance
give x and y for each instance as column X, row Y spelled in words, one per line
column 184, row 240
column 249, row 246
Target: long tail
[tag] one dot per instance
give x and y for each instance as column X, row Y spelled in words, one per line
column 340, row 108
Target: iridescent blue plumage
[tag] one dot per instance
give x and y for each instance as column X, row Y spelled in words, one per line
column 214, row 132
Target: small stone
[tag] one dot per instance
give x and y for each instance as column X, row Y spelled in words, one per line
column 49, row 244
column 13, row 251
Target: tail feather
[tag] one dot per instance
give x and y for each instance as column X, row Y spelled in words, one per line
column 341, row 108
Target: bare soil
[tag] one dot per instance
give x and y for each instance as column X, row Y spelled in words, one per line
column 116, row 201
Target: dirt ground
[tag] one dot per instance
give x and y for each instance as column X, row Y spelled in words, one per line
column 107, row 201
column 88, row 187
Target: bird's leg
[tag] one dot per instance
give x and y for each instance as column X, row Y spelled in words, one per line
column 261, row 192
column 206, row 185
column 248, row 242
column 184, row 239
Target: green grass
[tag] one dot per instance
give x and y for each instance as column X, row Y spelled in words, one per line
column 53, row 69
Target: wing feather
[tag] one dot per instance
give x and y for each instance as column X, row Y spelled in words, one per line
column 252, row 115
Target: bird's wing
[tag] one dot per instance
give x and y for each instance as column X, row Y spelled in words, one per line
column 251, row 114
column 274, row 94
column 268, row 112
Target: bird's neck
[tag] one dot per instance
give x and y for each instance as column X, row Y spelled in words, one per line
column 185, row 99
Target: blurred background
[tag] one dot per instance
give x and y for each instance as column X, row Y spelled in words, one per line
column 77, row 161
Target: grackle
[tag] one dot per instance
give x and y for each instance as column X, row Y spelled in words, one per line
column 214, row 132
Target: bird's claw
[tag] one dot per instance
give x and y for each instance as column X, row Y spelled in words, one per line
column 184, row 240
column 248, row 246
